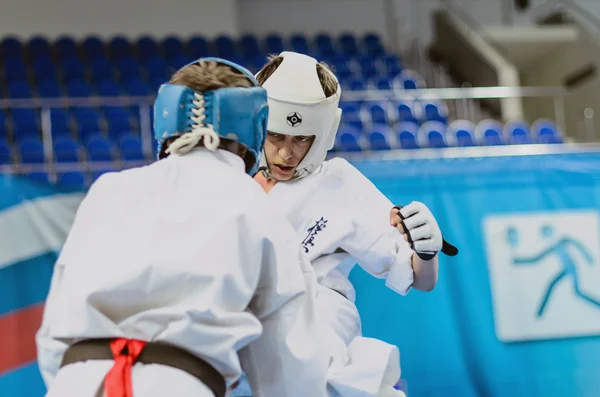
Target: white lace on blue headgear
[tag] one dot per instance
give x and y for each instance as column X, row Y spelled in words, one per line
column 236, row 113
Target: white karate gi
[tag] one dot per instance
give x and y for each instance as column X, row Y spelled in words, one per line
column 185, row 251
column 343, row 219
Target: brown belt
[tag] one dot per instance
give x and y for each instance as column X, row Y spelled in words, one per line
column 153, row 353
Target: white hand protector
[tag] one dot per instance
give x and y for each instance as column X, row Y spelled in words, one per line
column 421, row 229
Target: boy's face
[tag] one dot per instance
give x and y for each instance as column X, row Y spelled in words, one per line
column 285, row 152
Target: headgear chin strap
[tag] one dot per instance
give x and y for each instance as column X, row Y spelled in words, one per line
column 298, row 106
column 236, row 113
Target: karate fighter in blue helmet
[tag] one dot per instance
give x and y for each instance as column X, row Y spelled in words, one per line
column 175, row 276
column 342, row 220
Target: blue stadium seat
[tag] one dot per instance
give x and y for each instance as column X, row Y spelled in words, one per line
column 5, row 152
column 489, row 133
column 66, row 150
column 157, row 69
column 368, row 67
column 118, row 119
column 31, row 151
column 38, row 177
column 408, row 111
column 356, row 85
column 146, row 47
column 88, row 121
column 299, row 43
column 2, row 124
column 78, row 88
column 378, row 113
column 136, row 87
column 324, row 45
column 39, row 46
column 101, row 68
column 343, row 72
column 517, row 133
column 25, row 123
column 131, row 147
column 379, row 137
column 72, row 179
column 59, row 120
column 15, row 69
column 434, row 110
column 44, row 69
column 178, row 62
column 373, row 45
column 65, row 47
column 99, row 149
column 108, row 88
column 407, row 134
column 545, row 131
column 11, row 47
column 352, row 115
column 197, row 47
column 93, row 47
column 128, row 68
column 249, row 46
column 72, row 69
column 461, row 133
column 49, row 89
column 348, row 140
column 224, row 46
column 19, row 89
column 393, row 66
column 409, row 80
column 172, row 47
column 274, row 43
column 348, row 45
column 383, row 83
column 433, row 134
column 119, row 47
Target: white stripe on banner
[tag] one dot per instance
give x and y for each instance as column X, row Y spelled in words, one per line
column 36, row 227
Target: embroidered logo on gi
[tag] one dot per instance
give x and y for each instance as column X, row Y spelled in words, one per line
column 294, row 119
column 312, row 233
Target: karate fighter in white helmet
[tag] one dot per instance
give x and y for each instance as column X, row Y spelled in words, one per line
column 172, row 270
column 342, row 219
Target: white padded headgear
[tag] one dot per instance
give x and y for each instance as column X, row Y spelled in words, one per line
column 298, row 106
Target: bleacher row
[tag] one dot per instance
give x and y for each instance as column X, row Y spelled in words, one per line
column 117, row 67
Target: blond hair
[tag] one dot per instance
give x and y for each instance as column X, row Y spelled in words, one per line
column 328, row 82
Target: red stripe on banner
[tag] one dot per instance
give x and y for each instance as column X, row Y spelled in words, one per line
column 17, row 336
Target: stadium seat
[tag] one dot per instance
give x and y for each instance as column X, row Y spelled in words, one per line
column 378, row 112
column 25, row 123
column 59, row 120
column 39, row 46
column 119, row 47
column 44, row 69
column 367, row 67
column 299, row 43
column 93, row 47
column 434, row 110
column 172, row 47
column 118, row 119
column 409, row 80
column 373, row 45
column 324, row 45
column 15, row 69
column 99, row 149
column 146, row 47
column 249, row 47
column 136, row 87
column 78, row 88
column 88, row 121
column 347, row 44
column 197, row 47
column 348, row 140
column 393, row 66
column 5, row 152
column 224, row 46
column 72, row 69
column 19, row 89
column 489, row 133
column 517, row 133
column 545, row 131
column 65, row 47
column 38, row 177
column 352, row 115
column 131, row 147
column 383, row 83
column 72, row 179
column 101, row 68
column 157, row 68
column 2, row 124
column 461, row 133
column 407, row 134
column 356, row 85
column 408, row 111
column 128, row 68
column 49, row 89
column 66, row 150
column 108, row 88
column 11, row 47
column 178, row 62
column 31, row 151
column 433, row 134
column 379, row 137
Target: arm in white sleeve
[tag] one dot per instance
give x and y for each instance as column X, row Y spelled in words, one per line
column 288, row 359
column 378, row 247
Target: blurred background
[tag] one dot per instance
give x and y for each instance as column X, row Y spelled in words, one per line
column 482, row 109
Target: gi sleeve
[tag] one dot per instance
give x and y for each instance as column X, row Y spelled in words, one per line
column 378, row 247
column 288, row 359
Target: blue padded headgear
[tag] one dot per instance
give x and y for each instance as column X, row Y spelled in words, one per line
column 237, row 113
